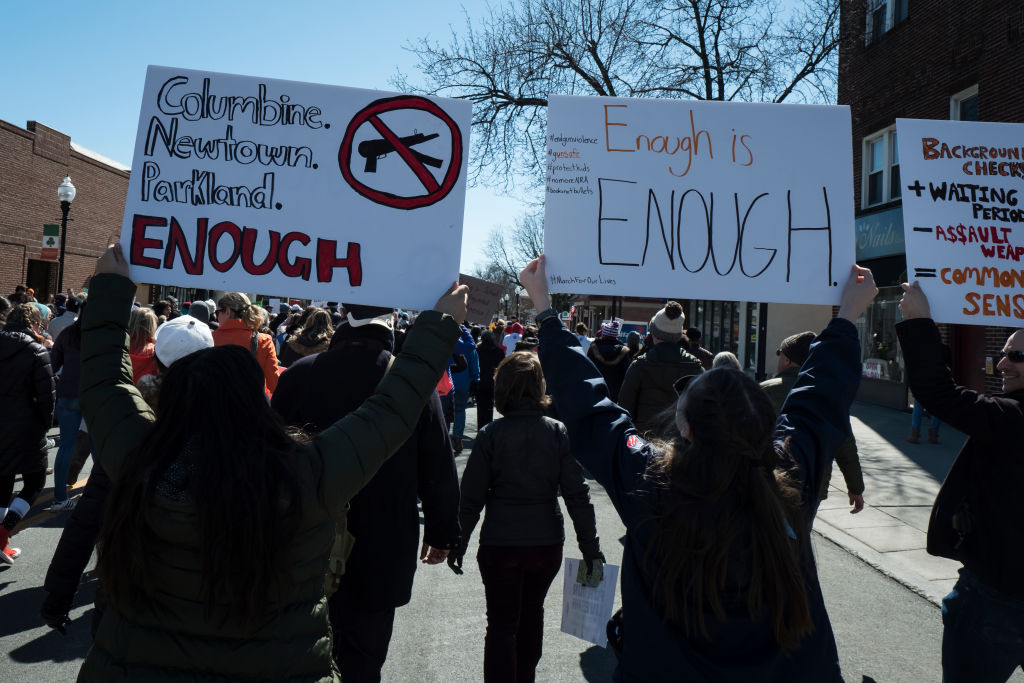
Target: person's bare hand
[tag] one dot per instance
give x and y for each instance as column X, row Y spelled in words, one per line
column 856, row 503
column 112, row 261
column 454, row 301
column 914, row 303
column 535, row 279
column 430, row 555
column 858, row 292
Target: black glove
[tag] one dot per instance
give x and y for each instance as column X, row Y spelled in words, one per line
column 589, row 561
column 55, row 612
column 455, row 556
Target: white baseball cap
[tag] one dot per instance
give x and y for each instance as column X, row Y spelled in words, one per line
column 181, row 336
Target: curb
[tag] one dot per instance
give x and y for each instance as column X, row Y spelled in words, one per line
column 907, row 577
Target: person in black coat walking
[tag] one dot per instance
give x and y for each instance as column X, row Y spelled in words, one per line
column 29, row 396
column 490, row 354
column 611, row 357
column 383, row 517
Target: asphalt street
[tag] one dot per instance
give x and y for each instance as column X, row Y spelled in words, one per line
column 885, row 632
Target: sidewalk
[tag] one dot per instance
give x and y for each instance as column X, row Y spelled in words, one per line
column 900, row 483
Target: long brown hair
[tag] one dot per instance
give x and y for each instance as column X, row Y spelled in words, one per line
column 729, row 507
column 231, row 458
column 519, row 383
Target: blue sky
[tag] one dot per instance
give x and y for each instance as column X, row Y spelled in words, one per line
column 80, row 67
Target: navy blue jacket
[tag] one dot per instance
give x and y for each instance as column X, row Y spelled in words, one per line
column 814, row 418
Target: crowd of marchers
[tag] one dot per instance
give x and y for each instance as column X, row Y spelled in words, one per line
column 259, row 476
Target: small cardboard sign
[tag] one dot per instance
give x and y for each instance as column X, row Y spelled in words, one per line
column 963, row 217
column 721, row 200
column 484, row 297
column 323, row 192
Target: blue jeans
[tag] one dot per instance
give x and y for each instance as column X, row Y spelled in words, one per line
column 69, row 417
column 461, row 401
column 983, row 633
column 915, row 417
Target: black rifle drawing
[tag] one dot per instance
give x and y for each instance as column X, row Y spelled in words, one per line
column 379, row 148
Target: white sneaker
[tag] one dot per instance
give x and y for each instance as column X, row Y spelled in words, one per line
column 63, row 506
column 50, row 443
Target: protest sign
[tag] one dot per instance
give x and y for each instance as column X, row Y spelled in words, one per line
column 716, row 200
column 483, row 298
column 963, row 218
column 587, row 609
column 262, row 185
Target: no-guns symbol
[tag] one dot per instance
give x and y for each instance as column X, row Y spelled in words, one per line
column 375, row 149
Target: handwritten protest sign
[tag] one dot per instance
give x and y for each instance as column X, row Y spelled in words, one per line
column 586, row 609
column 323, row 192
column 715, row 200
column 963, row 217
column 483, row 298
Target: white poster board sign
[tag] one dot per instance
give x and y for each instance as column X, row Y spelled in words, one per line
column 963, row 217
column 711, row 200
column 323, row 192
column 586, row 610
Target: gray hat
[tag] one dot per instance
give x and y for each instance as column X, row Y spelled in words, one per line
column 797, row 346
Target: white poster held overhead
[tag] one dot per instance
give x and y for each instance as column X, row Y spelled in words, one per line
column 261, row 185
column 710, row 200
column 963, row 217
column 586, row 609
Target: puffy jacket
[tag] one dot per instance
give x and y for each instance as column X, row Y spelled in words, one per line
column 648, row 388
column 297, row 347
column 516, row 469
column 606, row 442
column 170, row 638
column 235, row 331
column 28, row 395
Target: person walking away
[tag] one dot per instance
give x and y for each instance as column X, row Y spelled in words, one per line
column 68, row 316
column 610, row 356
column 238, row 321
column 792, row 353
column 27, row 386
column 383, row 517
column 633, row 340
column 973, row 520
column 314, row 337
column 513, row 333
column 221, row 495
column 142, row 326
column 581, row 335
column 66, row 359
column 519, row 464
column 916, row 417
column 489, row 354
column 693, row 340
column 648, row 387
column 462, row 381
column 175, row 339
column 718, row 579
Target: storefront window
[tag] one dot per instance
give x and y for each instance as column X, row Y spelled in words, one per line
column 881, row 355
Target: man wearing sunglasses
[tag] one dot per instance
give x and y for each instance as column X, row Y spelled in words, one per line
column 975, row 519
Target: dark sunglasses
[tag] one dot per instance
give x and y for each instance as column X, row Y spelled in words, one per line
column 1014, row 356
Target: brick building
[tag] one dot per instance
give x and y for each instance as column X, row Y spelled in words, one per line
column 906, row 59
column 33, row 162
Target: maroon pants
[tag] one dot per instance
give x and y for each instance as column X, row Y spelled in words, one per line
column 516, row 580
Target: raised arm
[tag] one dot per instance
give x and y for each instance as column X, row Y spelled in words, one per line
column 114, row 409
column 353, row 448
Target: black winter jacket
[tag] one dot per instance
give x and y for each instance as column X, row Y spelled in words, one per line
column 612, row 359
column 516, row 469
column 28, row 395
column 318, row 390
column 987, row 475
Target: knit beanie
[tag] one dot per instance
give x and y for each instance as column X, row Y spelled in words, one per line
column 667, row 324
column 797, row 346
column 609, row 328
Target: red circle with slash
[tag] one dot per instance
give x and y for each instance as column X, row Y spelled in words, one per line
column 435, row 191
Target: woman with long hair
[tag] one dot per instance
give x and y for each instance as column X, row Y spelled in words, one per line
column 718, row 580
column 217, row 536
column 519, row 465
column 142, row 326
column 238, row 323
column 314, row 337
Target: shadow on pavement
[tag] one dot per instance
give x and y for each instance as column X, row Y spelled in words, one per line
column 598, row 664
column 51, row 646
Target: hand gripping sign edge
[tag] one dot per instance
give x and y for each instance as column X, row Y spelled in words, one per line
column 369, row 113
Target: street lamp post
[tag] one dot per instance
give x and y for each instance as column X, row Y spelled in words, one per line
column 66, row 194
